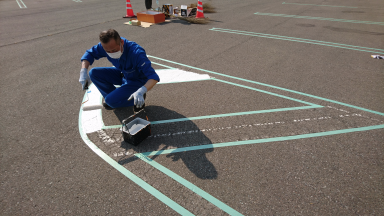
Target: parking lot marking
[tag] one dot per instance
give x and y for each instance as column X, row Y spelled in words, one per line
column 301, row 40
column 144, row 156
column 166, row 66
column 232, row 114
column 320, row 5
column 320, row 18
column 151, row 190
column 271, row 86
column 312, row 106
column 267, row 92
column 189, row 185
column 266, row 140
column 21, row 4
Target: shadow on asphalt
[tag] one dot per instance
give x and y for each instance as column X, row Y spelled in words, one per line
column 172, row 135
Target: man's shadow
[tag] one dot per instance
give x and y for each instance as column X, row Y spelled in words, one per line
column 176, row 134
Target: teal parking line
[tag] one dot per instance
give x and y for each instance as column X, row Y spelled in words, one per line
column 320, row 5
column 185, row 81
column 267, row 92
column 320, row 18
column 166, row 66
column 189, row 185
column 312, row 106
column 271, row 86
column 223, row 115
column 301, row 40
column 266, row 140
column 151, row 190
column 234, row 114
column 110, row 127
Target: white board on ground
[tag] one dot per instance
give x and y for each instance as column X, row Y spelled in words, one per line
column 177, row 75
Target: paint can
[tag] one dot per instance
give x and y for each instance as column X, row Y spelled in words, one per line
column 168, row 10
column 183, row 10
column 176, row 11
column 136, row 131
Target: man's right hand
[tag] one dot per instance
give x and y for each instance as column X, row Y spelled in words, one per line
column 84, row 78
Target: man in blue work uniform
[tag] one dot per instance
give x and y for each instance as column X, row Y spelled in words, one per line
column 132, row 71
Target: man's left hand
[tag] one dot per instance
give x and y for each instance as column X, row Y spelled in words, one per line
column 138, row 97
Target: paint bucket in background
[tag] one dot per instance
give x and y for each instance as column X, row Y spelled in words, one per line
column 183, row 10
column 168, row 10
column 176, row 11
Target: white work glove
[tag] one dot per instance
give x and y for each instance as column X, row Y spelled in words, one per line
column 84, row 78
column 139, row 97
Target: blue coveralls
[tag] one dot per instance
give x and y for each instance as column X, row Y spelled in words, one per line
column 132, row 70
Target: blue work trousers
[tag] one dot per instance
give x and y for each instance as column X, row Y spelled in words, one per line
column 105, row 78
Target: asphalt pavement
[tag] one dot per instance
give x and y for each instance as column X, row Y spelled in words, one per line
column 290, row 122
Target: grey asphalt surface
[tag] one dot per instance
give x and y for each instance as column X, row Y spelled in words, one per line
column 47, row 169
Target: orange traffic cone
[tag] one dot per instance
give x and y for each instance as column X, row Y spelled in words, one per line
column 130, row 13
column 200, row 13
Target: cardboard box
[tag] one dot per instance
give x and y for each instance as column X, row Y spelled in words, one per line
column 151, row 16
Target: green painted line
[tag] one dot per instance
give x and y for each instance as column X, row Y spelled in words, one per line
column 110, row 127
column 223, row 115
column 302, row 40
column 166, row 66
column 320, row 5
column 189, row 185
column 267, row 92
column 267, row 140
column 151, row 190
column 271, row 86
column 234, row 114
column 320, row 18
column 186, row 81
column 312, row 106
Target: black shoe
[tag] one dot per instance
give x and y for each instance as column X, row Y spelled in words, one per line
column 106, row 106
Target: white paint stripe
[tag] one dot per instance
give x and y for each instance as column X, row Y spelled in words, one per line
column 200, row 10
column 177, row 75
column 129, row 7
column 92, row 120
column 354, row 114
column 246, row 126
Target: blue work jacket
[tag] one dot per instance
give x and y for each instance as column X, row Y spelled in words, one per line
column 133, row 63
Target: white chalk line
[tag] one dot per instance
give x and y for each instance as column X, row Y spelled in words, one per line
column 355, row 114
column 107, row 140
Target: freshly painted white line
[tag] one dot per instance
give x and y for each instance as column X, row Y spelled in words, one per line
column 92, row 120
column 177, row 75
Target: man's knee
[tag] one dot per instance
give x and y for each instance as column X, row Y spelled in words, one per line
column 113, row 101
column 95, row 72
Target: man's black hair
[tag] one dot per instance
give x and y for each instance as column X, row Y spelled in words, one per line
column 106, row 36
